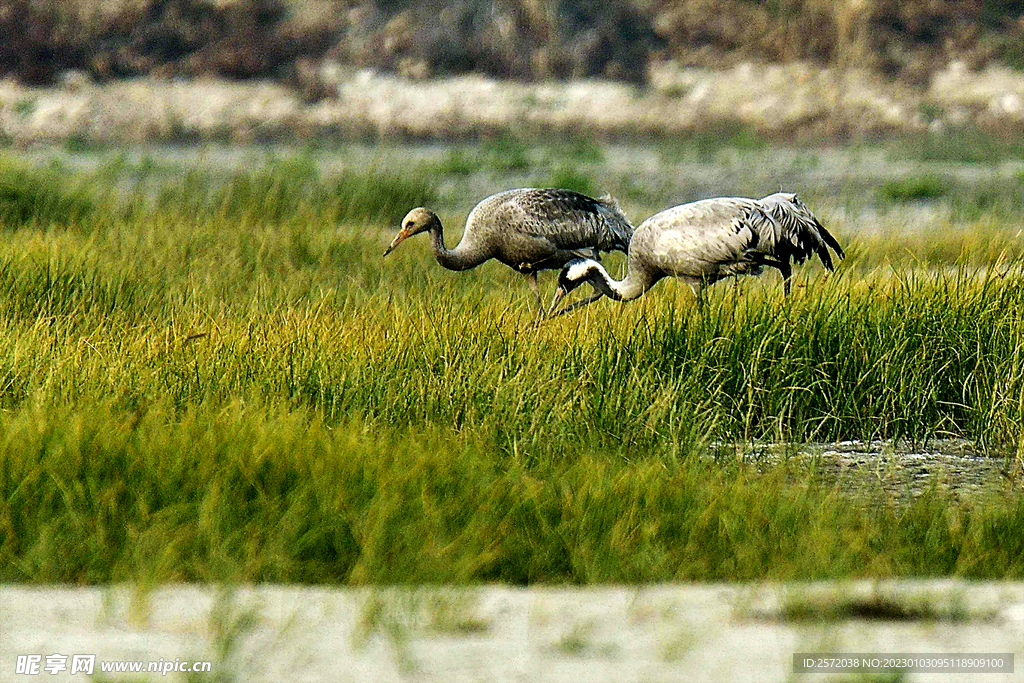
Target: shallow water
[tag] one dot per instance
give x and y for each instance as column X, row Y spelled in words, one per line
column 887, row 470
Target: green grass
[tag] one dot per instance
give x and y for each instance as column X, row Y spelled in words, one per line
column 457, row 163
column 220, row 379
column 958, row 145
column 707, row 142
column 576, row 150
column 292, row 188
column 913, row 189
column 991, row 200
column 40, row 197
column 505, row 153
column 567, row 177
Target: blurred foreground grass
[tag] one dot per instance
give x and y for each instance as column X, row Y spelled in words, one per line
column 218, row 378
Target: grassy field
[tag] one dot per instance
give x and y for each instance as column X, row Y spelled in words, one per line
column 214, row 376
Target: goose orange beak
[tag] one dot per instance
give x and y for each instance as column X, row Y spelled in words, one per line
column 402, row 234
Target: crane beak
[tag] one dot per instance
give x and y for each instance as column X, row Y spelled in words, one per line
column 402, row 234
column 559, row 295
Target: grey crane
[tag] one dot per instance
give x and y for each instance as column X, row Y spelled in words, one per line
column 528, row 230
column 705, row 241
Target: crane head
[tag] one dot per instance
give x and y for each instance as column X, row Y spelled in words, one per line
column 573, row 274
column 416, row 221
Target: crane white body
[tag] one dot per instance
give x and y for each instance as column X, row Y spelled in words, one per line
column 705, row 241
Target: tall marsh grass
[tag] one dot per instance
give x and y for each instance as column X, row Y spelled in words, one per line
column 40, row 197
column 292, row 188
column 249, row 492
column 242, row 389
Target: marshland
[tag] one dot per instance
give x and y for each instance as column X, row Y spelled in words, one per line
column 230, row 431
column 209, row 373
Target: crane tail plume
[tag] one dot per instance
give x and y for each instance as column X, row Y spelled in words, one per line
column 826, row 258
column 802, row 229
column 823, row 242
column 830, row 240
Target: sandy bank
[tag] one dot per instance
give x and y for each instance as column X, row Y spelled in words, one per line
column 794, row 100
column 660, row 633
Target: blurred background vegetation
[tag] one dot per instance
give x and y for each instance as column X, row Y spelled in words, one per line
column 518, row 39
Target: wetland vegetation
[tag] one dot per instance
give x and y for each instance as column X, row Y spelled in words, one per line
column 208, row 373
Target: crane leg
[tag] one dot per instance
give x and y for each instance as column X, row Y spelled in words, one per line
column 532, row 279
column 698, row 291
column 787, row 273
column 785, row 268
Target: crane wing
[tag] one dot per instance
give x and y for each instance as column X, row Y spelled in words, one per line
column 709, row 233
column 800, row 233
column 572, row 221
